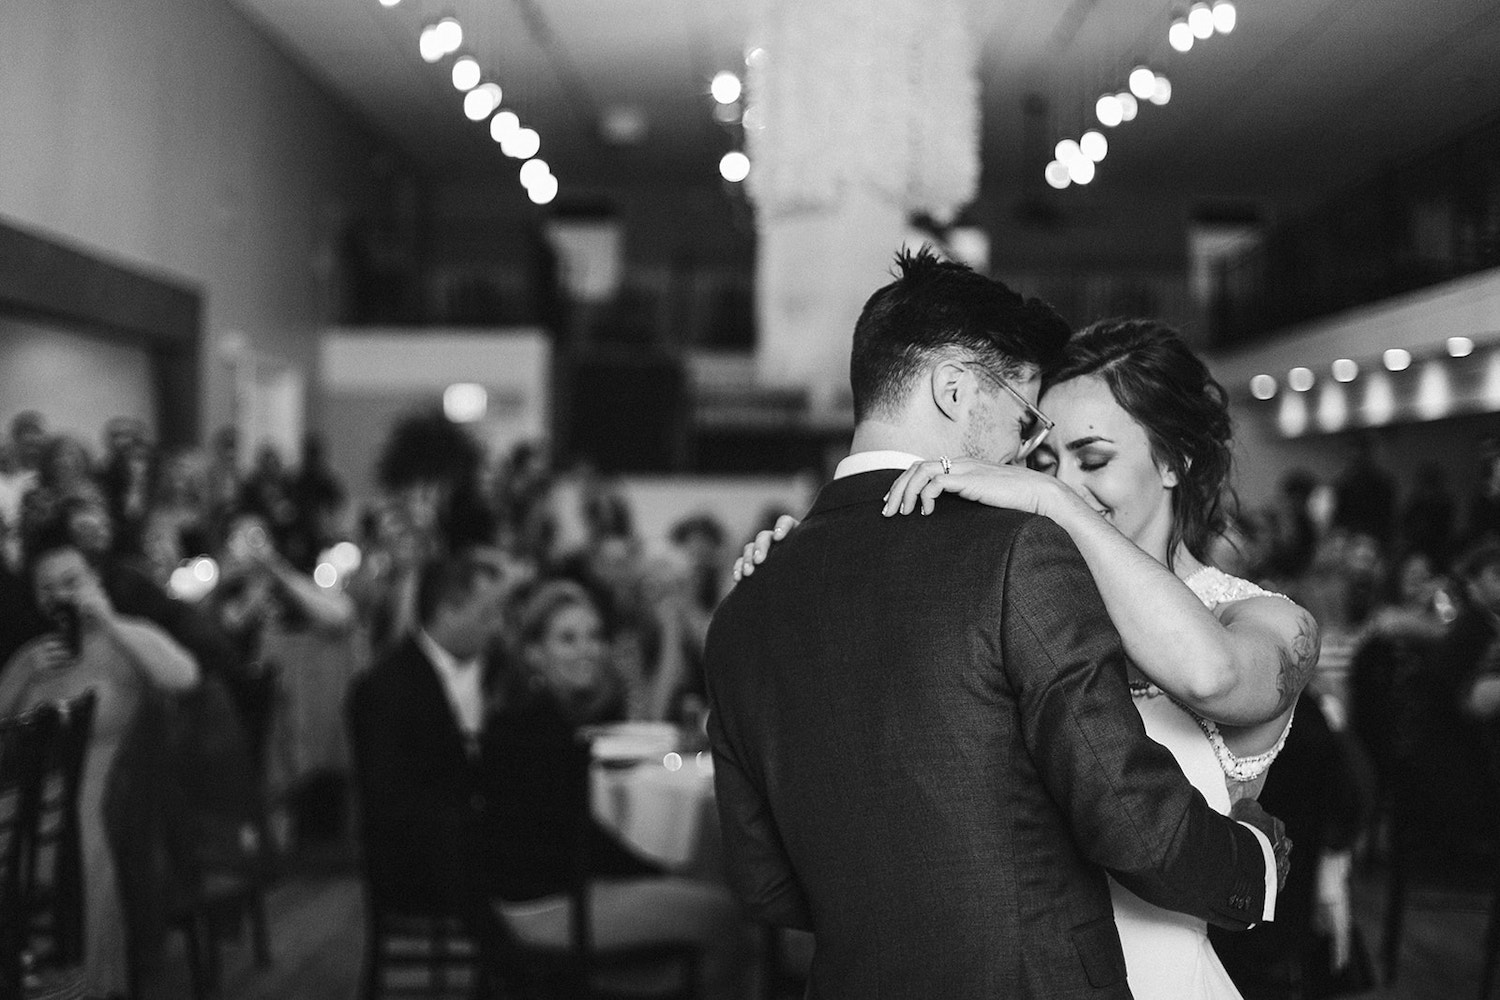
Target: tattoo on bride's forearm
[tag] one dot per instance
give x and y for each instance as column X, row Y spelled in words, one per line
column 1297, row 662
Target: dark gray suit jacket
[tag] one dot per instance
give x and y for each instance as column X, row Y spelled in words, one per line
column 927, row 755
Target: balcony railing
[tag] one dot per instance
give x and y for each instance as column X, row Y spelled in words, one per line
column 1418, row 223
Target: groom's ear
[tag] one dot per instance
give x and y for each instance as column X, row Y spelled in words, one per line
column 949, row 384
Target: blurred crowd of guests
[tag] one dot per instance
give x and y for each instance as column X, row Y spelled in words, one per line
column 1394, row 756
column 158, row 577
column 494, row 622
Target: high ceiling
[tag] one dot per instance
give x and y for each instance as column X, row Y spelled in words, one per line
column 1302, row 96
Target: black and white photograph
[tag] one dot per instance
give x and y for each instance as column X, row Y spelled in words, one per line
column 749, row 499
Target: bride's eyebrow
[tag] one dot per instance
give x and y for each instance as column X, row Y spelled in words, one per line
column 1084, row 442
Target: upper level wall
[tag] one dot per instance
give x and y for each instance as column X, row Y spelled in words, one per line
column 1420, row 322
column 171, row 135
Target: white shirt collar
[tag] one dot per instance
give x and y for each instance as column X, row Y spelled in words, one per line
column 871, row 461
column 461, row 682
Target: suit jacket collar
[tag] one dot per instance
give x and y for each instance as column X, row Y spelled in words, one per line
column 863, row 487
column 429, row 702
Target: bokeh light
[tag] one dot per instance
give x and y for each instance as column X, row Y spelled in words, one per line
column 734, row 166
column 1107, row 109
column 1142, row 82
column 1263, row 386
column 725, row 87
column 1225, row 17
column 466, row 73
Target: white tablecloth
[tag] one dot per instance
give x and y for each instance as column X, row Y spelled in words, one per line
column 665, row 809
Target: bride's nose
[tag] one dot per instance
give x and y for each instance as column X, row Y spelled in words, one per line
column 1072, row 478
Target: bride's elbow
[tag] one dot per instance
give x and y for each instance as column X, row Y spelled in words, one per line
column 1213, row 686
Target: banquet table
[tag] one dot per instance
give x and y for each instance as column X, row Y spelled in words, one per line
column 661, row 802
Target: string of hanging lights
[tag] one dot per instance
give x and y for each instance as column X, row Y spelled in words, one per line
column 1075, row 161
column 727, row 90
column 482, row 99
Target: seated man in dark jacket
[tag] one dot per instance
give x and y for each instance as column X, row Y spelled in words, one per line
column 469, row 805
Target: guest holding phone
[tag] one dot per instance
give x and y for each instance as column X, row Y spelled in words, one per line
column 91, row 647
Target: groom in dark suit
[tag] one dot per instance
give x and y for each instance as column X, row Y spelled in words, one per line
column 925, row 747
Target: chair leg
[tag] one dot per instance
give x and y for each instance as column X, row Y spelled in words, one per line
column 213, row 964
column 260, row 933
column 197, row 976
column 370, row 978
column 1395, row 906
column 1491, row 946
column 437, row 952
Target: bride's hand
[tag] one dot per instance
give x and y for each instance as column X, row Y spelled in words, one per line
column 973, row 479
column 755, row 552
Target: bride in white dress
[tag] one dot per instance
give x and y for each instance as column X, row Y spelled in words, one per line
column 1139, row 461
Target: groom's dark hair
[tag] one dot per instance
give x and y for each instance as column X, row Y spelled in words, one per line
column 937, row 307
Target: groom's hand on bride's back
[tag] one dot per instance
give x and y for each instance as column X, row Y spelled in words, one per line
column 1250, row 811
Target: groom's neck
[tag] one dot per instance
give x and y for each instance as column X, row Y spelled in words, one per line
column 876, row 435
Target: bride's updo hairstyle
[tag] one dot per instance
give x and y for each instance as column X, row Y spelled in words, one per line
column 1161, row 383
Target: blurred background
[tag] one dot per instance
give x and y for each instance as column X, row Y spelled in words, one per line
column 303, row 291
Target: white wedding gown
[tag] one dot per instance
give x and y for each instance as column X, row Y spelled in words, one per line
column 1167, row 954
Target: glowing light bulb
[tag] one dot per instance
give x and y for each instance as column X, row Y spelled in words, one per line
column 504, row 125
column 725, row 87
column 1057, row 174
column 1201, row 20
column 345, row 557
column 1300, row 379
column 528, row 143
column 1081, row 170
column 181, row 582
column 1460, row 347
column 205, row 569
column 1142, row 82
column 543, row 191
column 1093, row 145
column 1128, row 105
column 1263, row 387
column 1180, row 36
column 1067, row 151
column 465, row 402
column 734, row 166
column 1345, row 370
column 1107, row 109
column 466, row 73
column 1397, row 359
column 450, row 34
column 478, row 103
column 533, row 171
column 389, row 3
column 1162, row 92
column 1225, row 17
column 325, row 575
column 430, row 45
